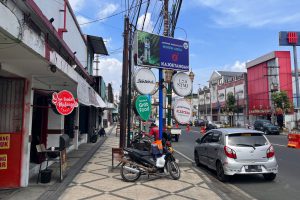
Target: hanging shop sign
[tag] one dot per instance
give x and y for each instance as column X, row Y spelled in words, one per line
column 64, row 102
column 145, row 81
column 4, row 141
column 162, row 52
column 182, row 111
column 143, row 107
column 182, row 84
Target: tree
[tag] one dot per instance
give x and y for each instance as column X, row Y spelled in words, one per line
column 231, row 106
column 282, row 101
column 282, row 104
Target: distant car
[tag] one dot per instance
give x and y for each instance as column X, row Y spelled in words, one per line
column 266, row 126
column 233, row 151
column 218, row 124
column 199, row 122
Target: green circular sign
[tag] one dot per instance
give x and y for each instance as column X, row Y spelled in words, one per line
column 143, row 107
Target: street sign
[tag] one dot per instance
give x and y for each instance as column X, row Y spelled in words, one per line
column 289, row 38
column 162, row 52
column 182, row 111
column 145, row 81
column 143, row 107
column 64, row 102
column 182, row 84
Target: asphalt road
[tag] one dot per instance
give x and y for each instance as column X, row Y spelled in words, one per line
column 286, row 184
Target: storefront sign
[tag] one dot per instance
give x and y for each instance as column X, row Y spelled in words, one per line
column 64, row 102
column 182, row 111
column 182, row 84
column 163, row 52
column 4, row 141
column 289, row 38
column 143, row 107
column 3, row 161
column 145, row 81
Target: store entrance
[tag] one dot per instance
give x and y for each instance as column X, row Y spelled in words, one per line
column 39, row 124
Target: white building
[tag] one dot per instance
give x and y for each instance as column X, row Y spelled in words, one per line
column 42, row 50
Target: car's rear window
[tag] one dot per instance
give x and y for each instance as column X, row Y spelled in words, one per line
column 247, row 139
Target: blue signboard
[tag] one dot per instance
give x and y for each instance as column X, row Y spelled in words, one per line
column 174, row 54
column 289, row 38
column 162, row 52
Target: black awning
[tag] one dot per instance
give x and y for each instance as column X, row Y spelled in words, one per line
column 97, row 44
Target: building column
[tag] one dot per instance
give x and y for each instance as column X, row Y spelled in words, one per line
column 76, row 131
column 27, row 119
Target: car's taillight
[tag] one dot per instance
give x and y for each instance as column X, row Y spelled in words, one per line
column 270, row 152
column 230, row 153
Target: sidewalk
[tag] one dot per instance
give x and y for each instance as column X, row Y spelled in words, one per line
column 90, row 177
column 76, row 160
column 97, row 181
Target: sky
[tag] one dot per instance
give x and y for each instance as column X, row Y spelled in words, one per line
column 223, row 34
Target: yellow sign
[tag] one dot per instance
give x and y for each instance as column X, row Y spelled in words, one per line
column 4, row 141
column 3, row 161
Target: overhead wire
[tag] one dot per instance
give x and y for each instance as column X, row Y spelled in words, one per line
column 110, row 16
column 145, row 15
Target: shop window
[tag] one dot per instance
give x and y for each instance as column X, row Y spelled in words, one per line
column 11, row 105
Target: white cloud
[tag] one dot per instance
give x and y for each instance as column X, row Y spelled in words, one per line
column 111, row 70
column 82, row 20
column 77, row 4
column 239, row 66
column 148, row 25
column 254, row 13
column 107, row 9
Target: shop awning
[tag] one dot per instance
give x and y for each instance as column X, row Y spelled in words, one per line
column 110, row 106
column 97, row 44
column 88, row 96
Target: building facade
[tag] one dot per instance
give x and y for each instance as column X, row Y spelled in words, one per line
column 221, row 84
column 268, row 74
column 42, row 51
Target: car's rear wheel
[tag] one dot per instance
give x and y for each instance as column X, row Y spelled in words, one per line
column 220, row 173
column 269, row 177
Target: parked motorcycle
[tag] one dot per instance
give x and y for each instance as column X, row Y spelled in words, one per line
column 136, row 163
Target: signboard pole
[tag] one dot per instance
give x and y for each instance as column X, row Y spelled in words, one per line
column 296, row 75
column 297, row 82
column 160, row 103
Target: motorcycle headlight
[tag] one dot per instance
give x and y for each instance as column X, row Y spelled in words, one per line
column 171, row 150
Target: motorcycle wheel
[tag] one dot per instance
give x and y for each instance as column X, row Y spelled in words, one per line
column 173, row 169
column 127, row 175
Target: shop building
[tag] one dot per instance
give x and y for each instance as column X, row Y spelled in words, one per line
column 267, row 74
column 221, row 84
column 42, row 51
column 204, row 108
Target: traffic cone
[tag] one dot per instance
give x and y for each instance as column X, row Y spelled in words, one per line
column 176, row 125
column 188, row 128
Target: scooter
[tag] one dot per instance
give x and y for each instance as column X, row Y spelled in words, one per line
column 136, row 163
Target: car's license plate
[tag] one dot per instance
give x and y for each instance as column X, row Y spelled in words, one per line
column 253, row 168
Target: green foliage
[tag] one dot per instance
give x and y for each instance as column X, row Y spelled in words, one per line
column 231, row 103
column 281, row 100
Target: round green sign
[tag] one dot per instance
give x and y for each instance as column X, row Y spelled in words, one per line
column 143, row 107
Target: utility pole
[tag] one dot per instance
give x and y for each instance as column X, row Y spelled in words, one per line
column 123, row 111
column 161, row 109
column 129, row 86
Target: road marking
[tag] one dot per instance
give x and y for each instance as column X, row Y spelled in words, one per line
column 279, row 145
column 184, row 156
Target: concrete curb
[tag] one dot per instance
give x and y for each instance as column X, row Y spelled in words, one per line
column 56, row 190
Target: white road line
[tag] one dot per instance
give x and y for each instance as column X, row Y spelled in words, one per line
column 279, row 145
column 184, row 156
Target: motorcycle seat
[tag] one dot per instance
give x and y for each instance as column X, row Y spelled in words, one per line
column 142, row 153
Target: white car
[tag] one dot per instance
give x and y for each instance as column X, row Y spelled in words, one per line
column 236, row 151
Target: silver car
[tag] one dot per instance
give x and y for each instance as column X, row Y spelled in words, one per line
column 236, row 151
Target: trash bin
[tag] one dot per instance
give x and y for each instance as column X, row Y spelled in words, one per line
column 46, row 175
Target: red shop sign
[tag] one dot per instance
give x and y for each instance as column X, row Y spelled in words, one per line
column 64, row 102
